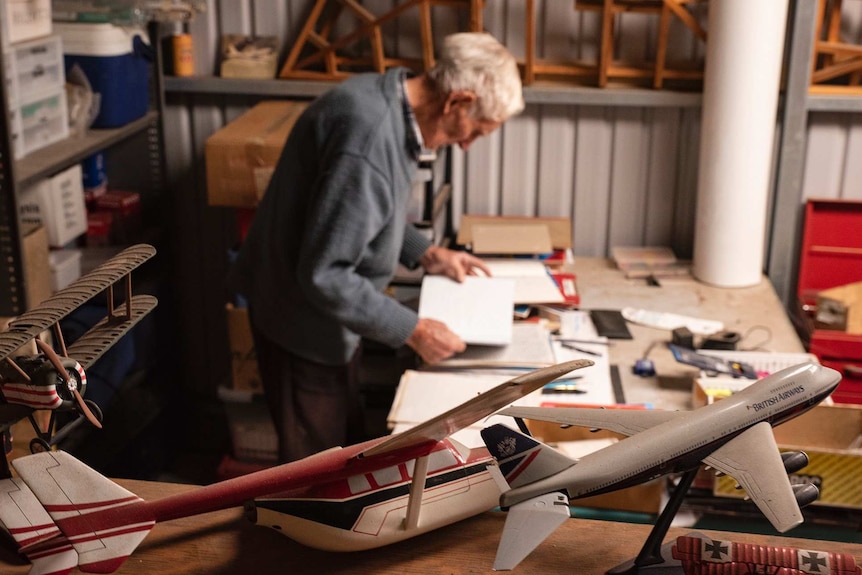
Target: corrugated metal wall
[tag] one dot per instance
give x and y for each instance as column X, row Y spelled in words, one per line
column 625, row 175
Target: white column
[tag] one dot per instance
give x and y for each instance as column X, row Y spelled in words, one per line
column 745, row 47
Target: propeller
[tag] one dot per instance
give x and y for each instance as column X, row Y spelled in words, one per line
column 71, row 386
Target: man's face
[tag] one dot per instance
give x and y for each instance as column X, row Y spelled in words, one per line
column 457, row 126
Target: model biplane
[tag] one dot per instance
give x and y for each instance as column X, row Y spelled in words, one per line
column 56, row 379
column 63, row 514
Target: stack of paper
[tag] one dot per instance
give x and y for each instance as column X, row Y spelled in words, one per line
column 533, row 282
column 645, row 261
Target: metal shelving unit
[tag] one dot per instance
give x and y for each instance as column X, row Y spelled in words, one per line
column 55, row 157
column 18, row 174
column 534, row 94
column 12, row 294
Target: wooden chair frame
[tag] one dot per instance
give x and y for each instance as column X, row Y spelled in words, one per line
column 833, row 58
column 327, row 51
column 606, row 68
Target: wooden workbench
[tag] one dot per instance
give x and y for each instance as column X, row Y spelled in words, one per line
column 226, row 543
column 755, row 311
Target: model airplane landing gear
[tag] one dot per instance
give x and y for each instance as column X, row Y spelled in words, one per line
column 651, row 559
column 49, row 438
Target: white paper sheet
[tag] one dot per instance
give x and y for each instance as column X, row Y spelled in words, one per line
column 479, row 309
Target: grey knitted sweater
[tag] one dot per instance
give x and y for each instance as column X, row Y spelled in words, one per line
column 331, row 228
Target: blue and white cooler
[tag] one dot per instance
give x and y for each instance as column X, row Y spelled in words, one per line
column 116, row 61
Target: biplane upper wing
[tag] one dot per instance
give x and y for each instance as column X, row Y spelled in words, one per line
column 33, row 322
column 89, row 347
column 475, row 409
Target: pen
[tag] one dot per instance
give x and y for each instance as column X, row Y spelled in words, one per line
column 590, row 341
column 568, row 345
column 561, row 388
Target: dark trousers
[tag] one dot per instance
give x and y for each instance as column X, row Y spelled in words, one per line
column 313, row 406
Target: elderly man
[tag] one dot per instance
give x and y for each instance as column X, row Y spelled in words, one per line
column 330, row 230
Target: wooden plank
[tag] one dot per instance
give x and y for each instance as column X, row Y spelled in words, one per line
column 227, row 542
column 299, row 43
column 529, row 42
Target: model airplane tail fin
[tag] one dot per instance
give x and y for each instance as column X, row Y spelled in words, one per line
column 521, row 458
column 81, row 507
column 36, row 534
column 528, row 524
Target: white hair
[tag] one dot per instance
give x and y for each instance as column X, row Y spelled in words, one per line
column 476, row 61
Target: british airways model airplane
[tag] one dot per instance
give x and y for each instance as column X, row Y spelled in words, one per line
column 63, row 514
column 733, row 436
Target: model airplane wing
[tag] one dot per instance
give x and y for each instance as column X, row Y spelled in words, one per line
column 36, row 534
column 753, row 460
column 89, row 347
column 475, row 409
column 33, row 322
column 625, row 421
column 61, row 492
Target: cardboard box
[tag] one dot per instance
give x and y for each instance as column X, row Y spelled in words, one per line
column 241, row 157
column 831, row 435
column 840, row 308
column 244, row 372
column 643, row 498
column 248, row 56
column 253, row 435
column 560, row 229
column 37, row 267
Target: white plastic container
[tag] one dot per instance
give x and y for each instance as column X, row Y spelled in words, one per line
column 39, row 123
column 58, row 204
column 34, row 68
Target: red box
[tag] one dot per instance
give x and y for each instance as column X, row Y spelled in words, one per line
column 99, row 226
column 832, row 256
column 126, row 209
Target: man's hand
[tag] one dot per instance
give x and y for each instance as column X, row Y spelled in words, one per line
column 453, row 264
column 434, row 342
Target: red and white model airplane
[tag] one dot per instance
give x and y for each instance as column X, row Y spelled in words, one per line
column 63, row 514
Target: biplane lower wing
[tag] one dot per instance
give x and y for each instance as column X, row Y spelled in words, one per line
column 92, row 345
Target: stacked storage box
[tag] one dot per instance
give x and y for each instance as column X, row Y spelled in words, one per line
column 35, row 84
column 57, row 203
